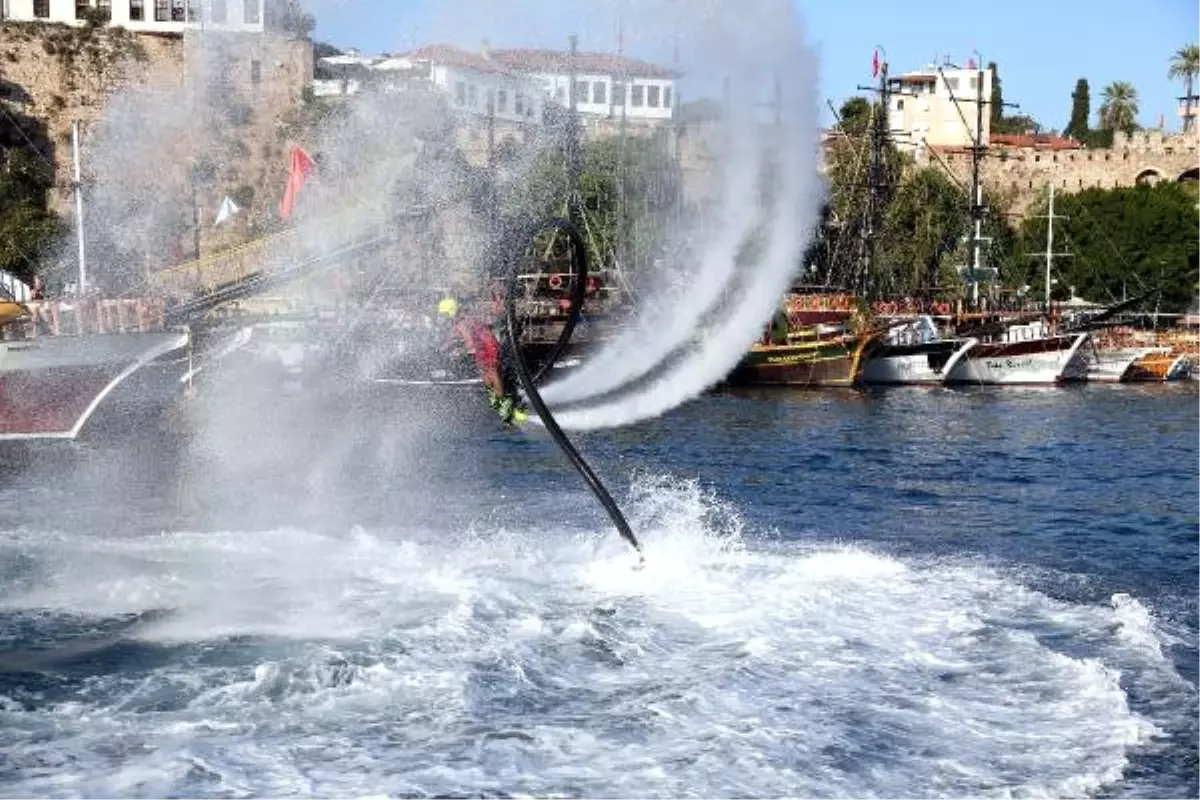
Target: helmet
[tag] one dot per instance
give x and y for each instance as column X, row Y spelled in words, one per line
column 447, row 307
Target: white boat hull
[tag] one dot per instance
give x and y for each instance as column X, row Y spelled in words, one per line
column 52, row 385
column 1112, row 366
column 914, row 365
column 1043, row 360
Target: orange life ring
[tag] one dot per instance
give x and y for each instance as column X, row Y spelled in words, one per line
column 556, row 281
column 942, row 308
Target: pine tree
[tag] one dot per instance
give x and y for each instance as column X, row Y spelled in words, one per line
column 1081, row 111
column 997, row 104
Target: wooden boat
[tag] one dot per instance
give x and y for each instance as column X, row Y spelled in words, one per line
column 819, row 348
column 1160, row 365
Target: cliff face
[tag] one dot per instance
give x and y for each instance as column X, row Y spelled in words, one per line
column 56, row 75
column 170, row 126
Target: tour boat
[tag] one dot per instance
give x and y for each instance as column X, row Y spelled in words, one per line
column 1112, row 365
column 912, row 352
column 1023, row 354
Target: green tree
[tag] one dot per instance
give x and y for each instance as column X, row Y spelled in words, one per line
column 1123, row 241
column 1119, row 110
column 1185, row 64
column 28, row 228
column 855, row 116
column 626, row 188
column 1081, row 112
column 996, row 108
column 923, row 226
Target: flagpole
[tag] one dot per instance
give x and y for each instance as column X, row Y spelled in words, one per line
column 79, row 206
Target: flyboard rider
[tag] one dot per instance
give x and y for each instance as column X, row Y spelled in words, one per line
column 472, row 335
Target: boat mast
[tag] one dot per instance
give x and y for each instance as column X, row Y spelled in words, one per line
column 876, row 174
column 977, row 209
column 1049, row 244
column 79, row 207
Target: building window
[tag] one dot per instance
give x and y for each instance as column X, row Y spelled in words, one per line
column 581, row 91
column 652, row 96
column 41, row 8
column 179, row 10
column 460, row 93
column 637, row 94
column 618, row 94
column 666, row 103
column 600, row 93
column 250, row 12
column 501, row 101
column 256, row 72
column 974, row 82
column 560, row 94
column 472, row 96
column 81, row 8
column 219, row 11
column 519, row 104
column 899, row 105
column 137, row 11
column 162, row 10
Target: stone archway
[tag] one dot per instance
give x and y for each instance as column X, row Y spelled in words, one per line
column 1192, row 174
column 1148, row 176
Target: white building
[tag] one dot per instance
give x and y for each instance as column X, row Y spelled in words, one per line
column 606, row 84
column 471, row 81
column 938, row 106
column 148, row 16
column 517, row 83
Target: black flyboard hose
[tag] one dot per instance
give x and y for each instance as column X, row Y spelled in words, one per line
column 529, row 379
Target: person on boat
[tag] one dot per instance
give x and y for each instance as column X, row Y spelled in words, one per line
column 777, row 328
column 474, row 335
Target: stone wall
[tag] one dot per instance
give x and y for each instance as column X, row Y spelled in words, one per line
column 58, row 74
column 1021, row 174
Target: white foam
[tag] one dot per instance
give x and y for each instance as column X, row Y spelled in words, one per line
column 542, row 663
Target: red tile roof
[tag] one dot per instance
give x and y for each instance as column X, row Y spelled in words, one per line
column 454, row 57
column 1038, row 141
column 558, row 62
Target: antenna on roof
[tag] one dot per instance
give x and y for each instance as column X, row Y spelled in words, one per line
column 620, row 34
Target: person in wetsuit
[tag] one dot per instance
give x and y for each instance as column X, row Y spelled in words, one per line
column 475, row 335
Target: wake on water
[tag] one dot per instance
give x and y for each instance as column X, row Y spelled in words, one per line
column 533, row 662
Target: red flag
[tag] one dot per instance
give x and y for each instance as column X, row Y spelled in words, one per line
column 302, row 166
column 971, row 63
column 1162, row 122
column 875, row 65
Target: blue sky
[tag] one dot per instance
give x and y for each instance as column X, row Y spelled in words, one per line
column 1041, row 48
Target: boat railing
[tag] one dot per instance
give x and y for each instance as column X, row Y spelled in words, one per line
column 88, row 315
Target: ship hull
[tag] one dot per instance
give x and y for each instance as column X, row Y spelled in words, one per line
column 50, row 387
column 927, row 363
column 1113, row 365
column 1043, row 360
column 811, row 364
column 1159, row 367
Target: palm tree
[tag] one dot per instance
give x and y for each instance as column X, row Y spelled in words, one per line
column 1186, row 64
column 1119, row 110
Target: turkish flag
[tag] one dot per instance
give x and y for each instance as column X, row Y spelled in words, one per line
column 875, row 65
column 302, row 166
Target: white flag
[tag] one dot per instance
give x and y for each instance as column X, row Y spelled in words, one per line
column 228, row 209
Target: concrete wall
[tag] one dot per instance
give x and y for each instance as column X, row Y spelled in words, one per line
column 932, row 116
